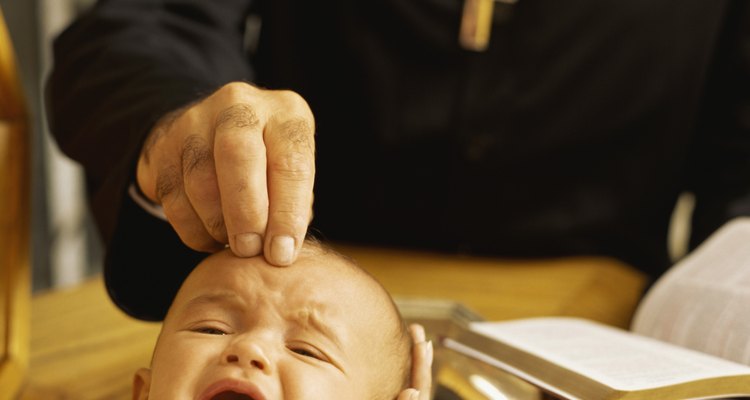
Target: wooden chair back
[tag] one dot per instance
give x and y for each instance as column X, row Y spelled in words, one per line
column 15, row 293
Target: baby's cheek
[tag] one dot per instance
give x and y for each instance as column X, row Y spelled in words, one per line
column 178, row 366
column 301, row 381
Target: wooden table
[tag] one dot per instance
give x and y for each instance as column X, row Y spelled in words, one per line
column 83, row 348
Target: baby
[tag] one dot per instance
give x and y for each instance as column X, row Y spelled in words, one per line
column 321, row 328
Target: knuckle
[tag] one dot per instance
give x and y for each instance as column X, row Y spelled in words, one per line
column 196, row 153
column 294, row 103
column 290, row 217
column 256, row 217
column 168, row 182
column 215, row 224
column 187, row 117
column 252, row 211
column 295, row 145
column 248, row 211
column 216, row 227
column 238, row 115
column 294, row 166
column 236, row 89
column 290, row 97
column 245, row 219
column 299, row 132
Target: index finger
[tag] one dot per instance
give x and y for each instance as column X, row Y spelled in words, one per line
column 290, row 148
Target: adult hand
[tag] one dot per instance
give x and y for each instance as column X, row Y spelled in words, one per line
column 236, row 168
column 421, row 368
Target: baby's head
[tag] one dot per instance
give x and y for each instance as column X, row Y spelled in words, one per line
column 321, row 328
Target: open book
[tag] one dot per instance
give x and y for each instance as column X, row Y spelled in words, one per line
column 690, row 336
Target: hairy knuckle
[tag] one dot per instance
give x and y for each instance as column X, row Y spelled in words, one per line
column 168, row 182
column 196, row 153
column 298, row 132
column 216, row 226
column 238, row 115
column 296, row 145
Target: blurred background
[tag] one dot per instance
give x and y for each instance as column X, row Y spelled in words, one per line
column 65, row 247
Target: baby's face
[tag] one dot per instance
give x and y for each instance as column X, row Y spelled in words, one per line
column 318, row 329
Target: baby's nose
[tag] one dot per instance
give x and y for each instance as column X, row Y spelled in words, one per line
column 244, row 354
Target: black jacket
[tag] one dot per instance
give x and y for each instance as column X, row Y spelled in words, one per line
column 573, row 133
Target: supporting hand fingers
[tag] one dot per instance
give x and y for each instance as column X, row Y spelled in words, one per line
column 422, row 356
column 409, row 394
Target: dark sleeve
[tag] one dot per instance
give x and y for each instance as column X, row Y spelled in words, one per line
column 117, row 69
column 719, row 173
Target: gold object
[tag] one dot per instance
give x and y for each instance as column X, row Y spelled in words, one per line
column 476, row 22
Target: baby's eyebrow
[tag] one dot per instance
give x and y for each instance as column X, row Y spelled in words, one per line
column 230, row 299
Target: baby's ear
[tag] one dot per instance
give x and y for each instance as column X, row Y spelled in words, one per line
column 141, row 384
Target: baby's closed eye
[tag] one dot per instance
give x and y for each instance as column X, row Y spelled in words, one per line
column 210, row 327
column 207, row 330
column 308, row 351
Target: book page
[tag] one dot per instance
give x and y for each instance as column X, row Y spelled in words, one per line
column 703, row 302
column 616, row 358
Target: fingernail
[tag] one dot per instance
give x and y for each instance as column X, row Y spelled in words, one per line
column 282, row 250
column 414, row 395
column 247, row 244
column 418, row 333
column 429, row 351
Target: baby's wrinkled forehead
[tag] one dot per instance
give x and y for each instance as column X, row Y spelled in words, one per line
column 319, row 281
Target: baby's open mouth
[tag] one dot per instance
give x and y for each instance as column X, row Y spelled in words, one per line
column 230, row 395
column 232, row 389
